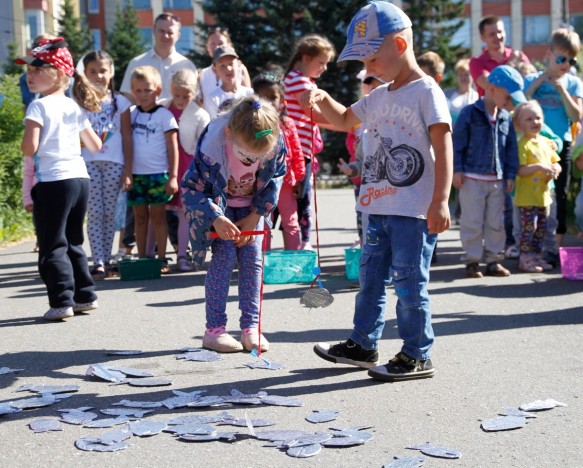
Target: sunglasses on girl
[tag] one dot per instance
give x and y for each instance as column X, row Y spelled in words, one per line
column 562, row 59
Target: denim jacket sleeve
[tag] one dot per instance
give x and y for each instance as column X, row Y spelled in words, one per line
column 511, row 156
column 461, row 138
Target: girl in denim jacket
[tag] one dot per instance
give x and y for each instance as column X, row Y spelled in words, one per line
column 231, row 185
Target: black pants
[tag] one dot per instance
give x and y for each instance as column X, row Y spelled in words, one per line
column 59, row 211
column 562, row 187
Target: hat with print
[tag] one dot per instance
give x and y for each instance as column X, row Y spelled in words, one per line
column 50, row 52
column 224, row 51
column 508, row 78
column 368, row 28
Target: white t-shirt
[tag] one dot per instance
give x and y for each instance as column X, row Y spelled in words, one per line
column 398, row 171
column 208, row 81
column 59, row 152
column 149, row 136
column 166, row 67
column 107, row 125
column 218, row 96
column 458, row 101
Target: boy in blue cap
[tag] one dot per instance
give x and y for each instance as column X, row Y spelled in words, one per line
column 406, row 180
column 485, row 166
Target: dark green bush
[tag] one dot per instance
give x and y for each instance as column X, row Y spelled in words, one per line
column 15, row 223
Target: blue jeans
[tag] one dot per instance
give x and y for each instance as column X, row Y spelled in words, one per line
column 399, row 247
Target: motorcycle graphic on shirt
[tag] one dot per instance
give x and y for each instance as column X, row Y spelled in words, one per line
column 402, row 165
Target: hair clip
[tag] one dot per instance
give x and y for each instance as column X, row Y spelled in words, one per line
column 256, row 104
column 262, row 133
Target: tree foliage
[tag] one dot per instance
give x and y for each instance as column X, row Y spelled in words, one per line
column 14, row 221
column 76, row 34
column 125, row 41
column 10, row 67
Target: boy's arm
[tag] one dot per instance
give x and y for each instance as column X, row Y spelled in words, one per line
column 335, row 113
column 530, row 90
column 510, row 169
column 572, row 104
column 438, row 218
column 128, row 150
column 172, row 150
column 460, row 139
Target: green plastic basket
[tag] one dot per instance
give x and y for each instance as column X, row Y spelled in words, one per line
column 289, row 266
column 352, row 258
column 140, row 269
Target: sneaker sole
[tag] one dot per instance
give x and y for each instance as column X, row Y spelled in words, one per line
column 59, row 317
column 401, row 377
column 84, row 309
column 340, row 360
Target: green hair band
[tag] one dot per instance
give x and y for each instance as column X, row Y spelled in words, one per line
column 263, row 133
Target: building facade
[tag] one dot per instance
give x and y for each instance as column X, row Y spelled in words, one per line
column 528, row 22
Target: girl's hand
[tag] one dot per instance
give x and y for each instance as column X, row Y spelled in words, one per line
column 458, row 180
column 310, row 98
column 557, row 169
column 126, row 182
column 225, row 228
column 509, row 186
column 297, row 190
column 345, row 168
column 171, row 186
column 248, row 223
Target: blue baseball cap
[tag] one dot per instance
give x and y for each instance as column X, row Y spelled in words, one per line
column 508, row 78
column 368, row 28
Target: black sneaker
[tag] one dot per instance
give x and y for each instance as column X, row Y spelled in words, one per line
column 348, row 352
column 403, row 367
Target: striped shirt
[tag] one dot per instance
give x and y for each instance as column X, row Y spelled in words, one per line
column 296, row 83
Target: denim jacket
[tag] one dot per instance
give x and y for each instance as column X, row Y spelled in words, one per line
column 482, row 148
column 204, row 185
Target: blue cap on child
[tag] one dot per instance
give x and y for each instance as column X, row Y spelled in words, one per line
column 368, row 28
column 508, row 78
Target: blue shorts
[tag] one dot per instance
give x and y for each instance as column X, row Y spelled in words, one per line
column 149, row 189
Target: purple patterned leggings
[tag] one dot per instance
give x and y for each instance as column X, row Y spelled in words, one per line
column 218, row 277
column 533, row 221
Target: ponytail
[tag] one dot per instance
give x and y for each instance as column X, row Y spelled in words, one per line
column 86, row 95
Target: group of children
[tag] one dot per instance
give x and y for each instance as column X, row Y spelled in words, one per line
column 247, row 156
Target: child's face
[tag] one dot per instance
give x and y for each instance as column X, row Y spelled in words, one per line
column 226, row 69
column 41, row 80
column 382, row 63
column 314, row 67
column 531, row 121
column 145, row 93
column 560, row 62
column 463, row 77
column 494, row 36
column 243, row 152
column 181, row 97
column 501, row 97
column 273, row 94
column 99, row 73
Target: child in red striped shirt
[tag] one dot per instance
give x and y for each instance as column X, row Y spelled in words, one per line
column 309, row 62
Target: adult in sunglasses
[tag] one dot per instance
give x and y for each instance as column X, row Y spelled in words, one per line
column 493, row 35
column 218, row 36
column 560, row 95
column 163, row 55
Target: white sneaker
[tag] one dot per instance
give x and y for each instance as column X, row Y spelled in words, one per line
column 512, row 252
column 306, row 246
column 85, row 306
column 59, row 313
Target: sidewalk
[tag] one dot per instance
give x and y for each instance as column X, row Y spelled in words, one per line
column 499, row 342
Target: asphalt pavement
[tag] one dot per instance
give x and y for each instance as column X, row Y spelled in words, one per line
column 499, row 342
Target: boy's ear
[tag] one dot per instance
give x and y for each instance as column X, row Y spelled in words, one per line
column 438, row 77
column 158, row 90
column 401, row 44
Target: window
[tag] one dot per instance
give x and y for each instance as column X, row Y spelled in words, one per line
column 142, row 4
column 35, row 24
column 185, row 44
column 147, row 35
column 536, row 29
column 177, row 4
column 93, row 6
column 577, row 22
column 96, row 35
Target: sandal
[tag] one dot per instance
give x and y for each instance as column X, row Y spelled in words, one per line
column 111, row 271
column 528, row 264
column 183, row 264
column 98, row 273
column 164, row 269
